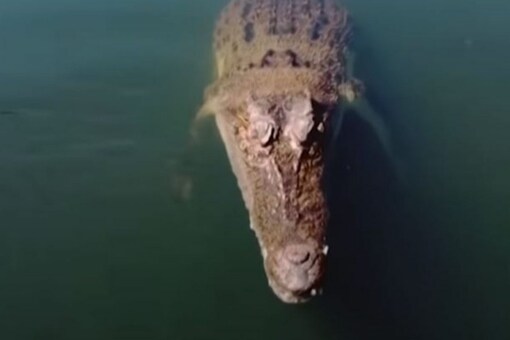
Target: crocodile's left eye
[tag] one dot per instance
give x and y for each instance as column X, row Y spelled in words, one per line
column 263, row 130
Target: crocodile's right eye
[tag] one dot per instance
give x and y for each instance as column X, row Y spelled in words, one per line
column 301, row 127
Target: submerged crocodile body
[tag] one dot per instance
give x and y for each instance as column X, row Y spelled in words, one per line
column 280, row 74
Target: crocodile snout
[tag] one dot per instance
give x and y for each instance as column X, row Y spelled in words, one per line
column 297, row 271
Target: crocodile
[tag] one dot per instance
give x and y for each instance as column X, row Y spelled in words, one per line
column 281, row 72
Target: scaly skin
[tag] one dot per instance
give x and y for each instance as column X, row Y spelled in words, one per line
column 280, row 73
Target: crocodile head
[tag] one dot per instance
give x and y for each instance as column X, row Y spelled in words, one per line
column 275, row 146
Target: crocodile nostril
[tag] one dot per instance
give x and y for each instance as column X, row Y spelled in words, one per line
column 297, row 254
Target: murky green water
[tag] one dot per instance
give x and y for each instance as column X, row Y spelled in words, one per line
column 96, row 98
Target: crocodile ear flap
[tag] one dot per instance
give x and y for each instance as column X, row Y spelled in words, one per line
column 351, row 90
column 209, row 107
column 215, row 101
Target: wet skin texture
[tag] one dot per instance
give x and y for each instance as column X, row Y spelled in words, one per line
column 280, row 74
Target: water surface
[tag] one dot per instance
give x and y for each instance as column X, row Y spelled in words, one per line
column 98, row 239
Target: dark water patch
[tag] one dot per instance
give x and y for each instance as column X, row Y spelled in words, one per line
column 387, row 270
column 8, row 113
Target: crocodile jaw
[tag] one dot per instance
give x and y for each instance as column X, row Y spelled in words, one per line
column 287, row 210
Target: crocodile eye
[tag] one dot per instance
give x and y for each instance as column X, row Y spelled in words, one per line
column 299, row 117
column 264, row 131
column 301, row 127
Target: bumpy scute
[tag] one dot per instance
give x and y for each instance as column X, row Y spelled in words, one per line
column 280, row 72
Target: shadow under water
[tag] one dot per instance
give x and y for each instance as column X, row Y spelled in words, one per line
column 386, row 273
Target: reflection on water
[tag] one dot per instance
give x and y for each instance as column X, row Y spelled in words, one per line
column 112, row 228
